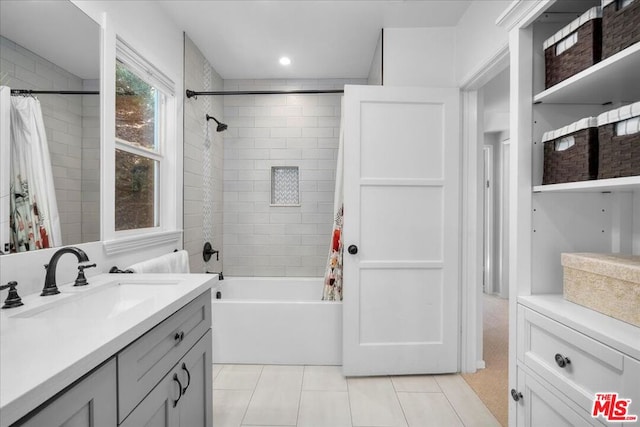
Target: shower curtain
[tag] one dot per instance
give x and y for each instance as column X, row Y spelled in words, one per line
column 34, row 219
column 333, row 273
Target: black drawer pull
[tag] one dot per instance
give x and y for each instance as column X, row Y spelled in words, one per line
column 175, row 378
column 184, row 367
column 516, row 395
column 562, row 361
column 178, row 337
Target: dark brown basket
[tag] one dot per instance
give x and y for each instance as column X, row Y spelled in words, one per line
column 619, row 155
column 586, row 52
column 577, row 163
column 620, row 27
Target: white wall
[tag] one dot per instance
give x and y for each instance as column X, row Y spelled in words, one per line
column 147, row 28
column 279, row 130
column 478, row 38
column 375, row 71
column 90, row 162
column 419, row 57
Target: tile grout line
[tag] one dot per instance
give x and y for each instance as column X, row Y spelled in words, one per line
column 251, row 397
column 349, row 399
column 304, row 370
column 406, row 420
column 450, row 403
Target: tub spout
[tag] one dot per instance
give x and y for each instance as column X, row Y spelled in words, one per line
column 220, row 276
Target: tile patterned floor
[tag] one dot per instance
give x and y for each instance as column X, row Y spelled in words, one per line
column 319, row 396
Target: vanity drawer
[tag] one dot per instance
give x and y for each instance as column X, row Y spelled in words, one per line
column 147, row 360
column 590, row 367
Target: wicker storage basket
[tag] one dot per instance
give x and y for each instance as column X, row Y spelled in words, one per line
column 574, row 48
column 620, row 25
column 619, row 142
column 606, row 283
column 571, row 153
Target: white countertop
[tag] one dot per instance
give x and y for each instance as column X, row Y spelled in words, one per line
column 41, row 355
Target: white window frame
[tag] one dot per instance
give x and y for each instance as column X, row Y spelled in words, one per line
column 166, row 154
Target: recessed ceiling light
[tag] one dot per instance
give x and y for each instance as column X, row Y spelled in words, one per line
column 285, row 61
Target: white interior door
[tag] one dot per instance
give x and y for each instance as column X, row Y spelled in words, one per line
column 401, row 204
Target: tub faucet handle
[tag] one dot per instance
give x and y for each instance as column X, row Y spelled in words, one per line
column 207, row 251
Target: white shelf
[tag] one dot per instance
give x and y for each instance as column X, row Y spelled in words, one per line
column 615, row 79
column 615, row 333
column 630, row 183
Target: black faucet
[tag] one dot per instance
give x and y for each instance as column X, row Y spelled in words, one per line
column 50, row 287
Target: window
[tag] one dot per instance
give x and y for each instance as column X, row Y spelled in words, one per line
column 139, row 140
column 142, row 102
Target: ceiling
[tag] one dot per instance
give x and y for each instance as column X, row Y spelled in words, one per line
column 243, row 39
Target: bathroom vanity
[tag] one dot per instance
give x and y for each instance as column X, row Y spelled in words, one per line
column 125, row 350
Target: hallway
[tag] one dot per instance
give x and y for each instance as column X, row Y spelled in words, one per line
column 491, row 384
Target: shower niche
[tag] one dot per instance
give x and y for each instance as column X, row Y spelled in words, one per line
column 285, row 186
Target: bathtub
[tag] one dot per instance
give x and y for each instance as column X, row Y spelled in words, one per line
column 272, row 320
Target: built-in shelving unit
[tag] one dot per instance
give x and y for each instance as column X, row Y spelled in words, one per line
column 548, row 220
column 607, row 81
column 630, row 183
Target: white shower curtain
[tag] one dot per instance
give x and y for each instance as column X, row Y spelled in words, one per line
column 333, row 273
column 34, row 220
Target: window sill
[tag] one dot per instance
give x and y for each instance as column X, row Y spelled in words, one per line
column 145, row 241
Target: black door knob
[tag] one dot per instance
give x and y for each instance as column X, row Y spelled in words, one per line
column 352, row 249
column 516, row 395
column 562, row 361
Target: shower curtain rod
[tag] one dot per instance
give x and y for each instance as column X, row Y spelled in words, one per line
column 191, row 94
column 56, row 92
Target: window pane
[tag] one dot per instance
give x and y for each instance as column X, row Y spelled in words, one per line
column 136, row 109
column 135, row 191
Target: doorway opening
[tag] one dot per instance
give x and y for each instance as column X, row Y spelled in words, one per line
column 487, row 119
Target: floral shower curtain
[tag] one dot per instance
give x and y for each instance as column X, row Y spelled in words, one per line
column 333, row 273
column 34, row 219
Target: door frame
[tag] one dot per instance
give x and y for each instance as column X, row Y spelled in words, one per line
column 488, row 228
column 472, row 158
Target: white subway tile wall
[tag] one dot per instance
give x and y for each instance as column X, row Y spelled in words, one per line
column 72, row 126
column 279, row 130
column 197, row 68
column 90, row 162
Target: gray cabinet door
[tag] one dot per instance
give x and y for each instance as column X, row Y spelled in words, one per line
column 169, row 404
column 90, row 403
column 147, row 360
column 159, row 408
column 195, row 406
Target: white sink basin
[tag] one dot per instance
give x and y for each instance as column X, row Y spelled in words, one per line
column 103, row 302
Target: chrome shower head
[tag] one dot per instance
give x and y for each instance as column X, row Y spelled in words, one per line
column 221, row 126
